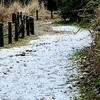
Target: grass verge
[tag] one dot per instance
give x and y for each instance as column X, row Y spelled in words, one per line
column 20, row 41
column 78, row 54
column 90, row 89
column 80, row 24
column 89, row 83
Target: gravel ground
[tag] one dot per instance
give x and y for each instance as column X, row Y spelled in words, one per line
column 41, row 70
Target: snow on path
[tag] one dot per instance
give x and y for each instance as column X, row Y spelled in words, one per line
column 42, row 70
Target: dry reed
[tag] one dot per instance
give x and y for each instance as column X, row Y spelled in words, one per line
column 30, row 9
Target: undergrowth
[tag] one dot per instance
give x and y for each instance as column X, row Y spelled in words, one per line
column 89, row 83
column 78, row 24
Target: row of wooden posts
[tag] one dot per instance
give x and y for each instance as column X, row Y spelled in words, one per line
column 21, row 24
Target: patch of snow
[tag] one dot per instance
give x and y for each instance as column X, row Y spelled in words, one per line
column 42, row 70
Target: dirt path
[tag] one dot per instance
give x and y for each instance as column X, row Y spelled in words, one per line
column 41, row 70
column 44, row 27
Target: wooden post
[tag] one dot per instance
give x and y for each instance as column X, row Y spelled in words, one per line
column 23, row 29
column 32, row 26
column 16, row 31
column 18, row 18
column 37, row 17
column 24, row 17
column 24, row 20
column 1, row 35
column 20, row 15
column 13, row 17
column 51, row 14
column 27, row 25
column 9, row 32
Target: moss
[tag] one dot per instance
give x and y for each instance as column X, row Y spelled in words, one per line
column 78, row 54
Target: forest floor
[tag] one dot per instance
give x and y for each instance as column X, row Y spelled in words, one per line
column 42, row 69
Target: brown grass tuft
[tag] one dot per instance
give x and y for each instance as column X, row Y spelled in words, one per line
column 5, row 13
column 30, row 9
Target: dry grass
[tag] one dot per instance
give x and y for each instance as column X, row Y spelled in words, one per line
column 30, row 9
column 3, row 13
column 90, row 84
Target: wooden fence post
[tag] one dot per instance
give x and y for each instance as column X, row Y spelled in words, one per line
column 18, row 18
column 23, row 29
column 20, row 15
column 24, row 20
column 9, row 32
column 13, row 17
column 24, row 17
column 37, row 17
column 32, row 26
column 27, row 25
column 16, row 31
column 51, row 14
column 1, row 35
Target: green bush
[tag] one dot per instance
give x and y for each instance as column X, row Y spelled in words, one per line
column 70, row 9
column 73, row 8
